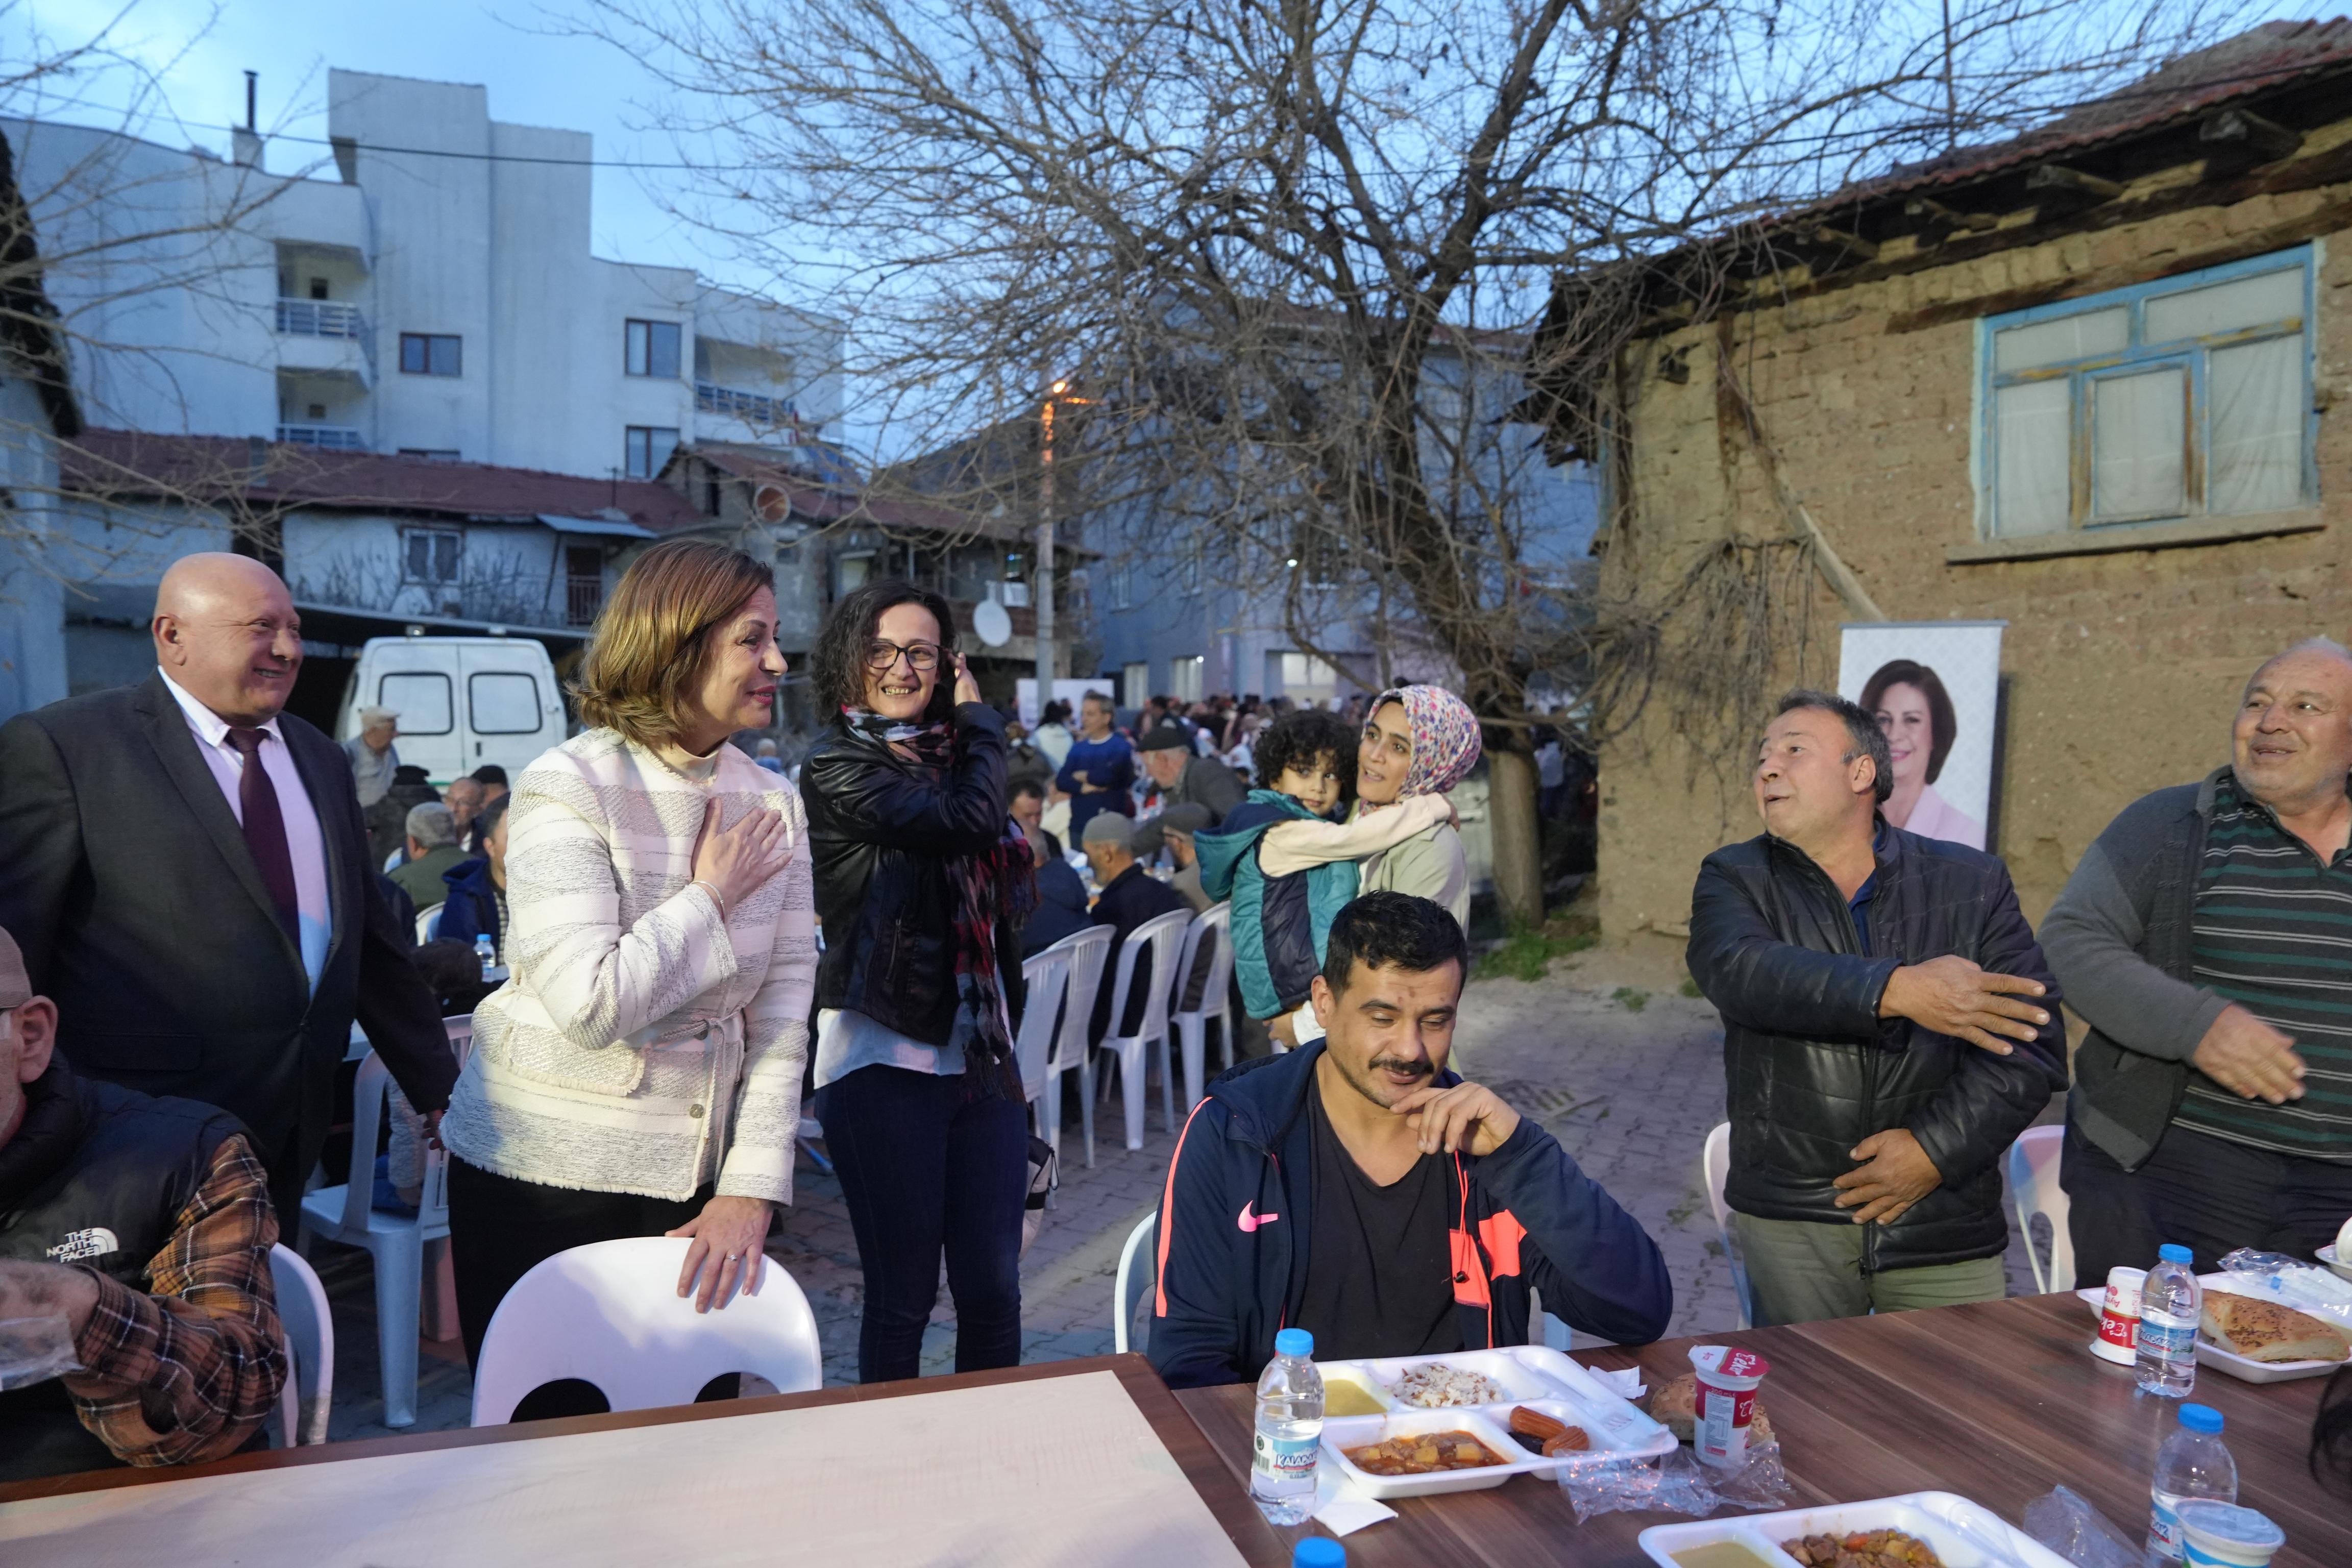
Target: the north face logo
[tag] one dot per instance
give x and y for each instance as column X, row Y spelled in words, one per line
column 95, row 1242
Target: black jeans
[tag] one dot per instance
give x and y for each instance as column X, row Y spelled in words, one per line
column 925, row 1169
column 2208, row 1194
column 500, row 1228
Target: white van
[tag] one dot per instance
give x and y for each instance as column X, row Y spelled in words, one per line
column 462, row 701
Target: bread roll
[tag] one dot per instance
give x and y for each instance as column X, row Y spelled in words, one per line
column 2265, row 1331
column 1673, row 1406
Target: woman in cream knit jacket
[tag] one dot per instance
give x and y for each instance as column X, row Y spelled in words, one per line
column 640, row 1072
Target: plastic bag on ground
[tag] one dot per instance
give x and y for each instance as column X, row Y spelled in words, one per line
column 1674, row 1483
column 2067, row 1524
column 35, row 1350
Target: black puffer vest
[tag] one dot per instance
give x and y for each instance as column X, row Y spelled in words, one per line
column 95, row 1176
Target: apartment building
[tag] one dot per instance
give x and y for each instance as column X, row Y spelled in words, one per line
column 424, row 286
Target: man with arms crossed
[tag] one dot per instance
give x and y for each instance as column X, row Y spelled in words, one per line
column 1872, row 983
column 2203, row 936
column 1357, row 1189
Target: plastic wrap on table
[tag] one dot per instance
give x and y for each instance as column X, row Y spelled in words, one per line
column 35, row 1350
column 1674, row 1482
column 2067, row 1524
column 2292, row 1281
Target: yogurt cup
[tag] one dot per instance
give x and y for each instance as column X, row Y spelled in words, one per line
column 2216, row 1534
column 1726, row 1402
column 2118, row 1340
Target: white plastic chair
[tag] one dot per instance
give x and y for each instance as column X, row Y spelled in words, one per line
column 610, row 1314
column 2032, row 1163
column 428, row 922
column 1044, row 977
column 1213, row 924
column 1087, row 951
column 310, row 1332
column 1161, row 936
column 1715, row 1167
column 1139, row 1269
column 347, row 1214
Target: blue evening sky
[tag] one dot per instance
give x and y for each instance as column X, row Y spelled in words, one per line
column 200, row 51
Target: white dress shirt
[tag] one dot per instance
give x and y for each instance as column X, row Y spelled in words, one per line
column 304, row 843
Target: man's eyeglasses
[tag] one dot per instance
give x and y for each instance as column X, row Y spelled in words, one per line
column 881, row 654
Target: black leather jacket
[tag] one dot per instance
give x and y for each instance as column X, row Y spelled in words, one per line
column 1811, row 1068
column 881, row 831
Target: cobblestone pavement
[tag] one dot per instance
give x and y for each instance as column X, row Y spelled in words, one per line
column 1629, row 1080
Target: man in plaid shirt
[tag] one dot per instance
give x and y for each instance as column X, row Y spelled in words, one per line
column 139, row 1228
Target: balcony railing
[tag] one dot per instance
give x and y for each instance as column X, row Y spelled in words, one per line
column 774, row 412
column 583, row 597
column 326, row 437
column 321, row 319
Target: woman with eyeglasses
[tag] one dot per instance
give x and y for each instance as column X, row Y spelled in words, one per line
column 923, row 880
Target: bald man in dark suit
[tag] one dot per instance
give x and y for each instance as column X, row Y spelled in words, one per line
column 185, row 869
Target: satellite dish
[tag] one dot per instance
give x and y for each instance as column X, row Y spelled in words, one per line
column 771, row 503
column 994, row 627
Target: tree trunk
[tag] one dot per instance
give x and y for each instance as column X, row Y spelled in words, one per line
column 1517, row 835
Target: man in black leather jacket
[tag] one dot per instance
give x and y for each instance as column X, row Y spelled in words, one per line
column 1872, row 983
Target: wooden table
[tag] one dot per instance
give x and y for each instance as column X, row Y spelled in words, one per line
column 1998, row 1401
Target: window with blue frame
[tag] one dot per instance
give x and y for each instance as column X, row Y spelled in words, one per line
column 2189, row 397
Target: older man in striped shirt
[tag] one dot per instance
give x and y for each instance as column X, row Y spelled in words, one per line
column 2207, row 938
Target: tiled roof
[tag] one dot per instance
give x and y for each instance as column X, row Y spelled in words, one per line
column 2270, row 56
column 824, row 503
column 128, row 465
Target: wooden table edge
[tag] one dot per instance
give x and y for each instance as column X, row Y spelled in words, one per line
column 1178, row 1433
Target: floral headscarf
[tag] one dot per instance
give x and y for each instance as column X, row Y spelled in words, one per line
column 1446, row 744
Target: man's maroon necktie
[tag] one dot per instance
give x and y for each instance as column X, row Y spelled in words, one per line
column 264, row 831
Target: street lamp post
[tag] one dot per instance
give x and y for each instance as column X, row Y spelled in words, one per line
column 1043, row 594
column 1046, row 672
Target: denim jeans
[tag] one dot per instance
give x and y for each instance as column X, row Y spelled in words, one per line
column 924, row 1169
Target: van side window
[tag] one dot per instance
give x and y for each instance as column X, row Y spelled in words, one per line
column 423, row 699
column 504, row 702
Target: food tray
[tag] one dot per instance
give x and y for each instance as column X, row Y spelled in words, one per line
column 1529, row 1374
column 1485, row 1423
column 1927, row 1515
column 2243, row 1368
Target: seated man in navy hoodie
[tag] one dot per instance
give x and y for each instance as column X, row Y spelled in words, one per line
column 1357, row 1189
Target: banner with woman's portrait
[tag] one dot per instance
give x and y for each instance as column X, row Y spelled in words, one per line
column 1935, row 688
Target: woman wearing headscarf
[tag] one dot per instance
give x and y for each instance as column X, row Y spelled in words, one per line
column 923, row 882
column 1418, row 743
column 1418, row 740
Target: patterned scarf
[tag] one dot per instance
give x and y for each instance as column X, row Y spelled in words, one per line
column 1446, row 744
column 999, row 883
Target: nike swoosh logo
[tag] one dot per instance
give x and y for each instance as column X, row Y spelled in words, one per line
column 1250, row 1222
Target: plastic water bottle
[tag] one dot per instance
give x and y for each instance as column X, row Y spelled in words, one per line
column 1289, row 1430
column 2170, row 1306
column 486, row 954
column 2193, row 1463
column 1318, row 1551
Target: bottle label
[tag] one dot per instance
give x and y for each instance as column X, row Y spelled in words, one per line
column 1282, row 1464
column 2163, row 1529
column 2168, row 1340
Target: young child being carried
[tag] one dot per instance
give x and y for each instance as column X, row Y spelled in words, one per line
column 1286, row 867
